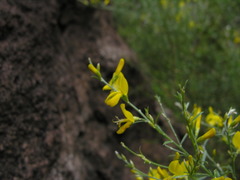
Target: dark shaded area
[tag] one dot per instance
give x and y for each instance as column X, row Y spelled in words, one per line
column 53, row 122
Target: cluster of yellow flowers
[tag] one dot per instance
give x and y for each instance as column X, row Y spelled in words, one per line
column 185, row 165
column 213, row 120
column 175, row 169
column 118, row 87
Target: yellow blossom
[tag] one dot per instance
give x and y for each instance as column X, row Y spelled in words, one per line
column 128, row 121
column 154, row 173
column 235, row 121
column 175, row 169
column 177, row 156
column 236, row 140
column 214, row 119
column 178, row 169
column 159, row 173
column 118, row 86
column 92, row 68
column 196, row 118
column 163, row 173
column 209, row 134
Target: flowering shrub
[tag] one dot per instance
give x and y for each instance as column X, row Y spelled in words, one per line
column 200, row 130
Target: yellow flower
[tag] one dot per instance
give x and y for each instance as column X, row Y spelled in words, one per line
column 196, row 118
column 236, row 140
column 214, row 119
column 177, row 156
column 118, row 86
column 154, row 173
column 178, row 169
column 175, row 169
column 128, row 121
column 159, row 173
column 221, row 178
column 163, row 173
column 209, row 134
column 235, row 121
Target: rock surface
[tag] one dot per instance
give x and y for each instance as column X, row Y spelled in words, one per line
column 54, row 124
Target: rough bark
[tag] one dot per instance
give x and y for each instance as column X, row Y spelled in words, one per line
column 53, row 121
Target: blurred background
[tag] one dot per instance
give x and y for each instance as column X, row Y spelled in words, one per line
column 185, row 40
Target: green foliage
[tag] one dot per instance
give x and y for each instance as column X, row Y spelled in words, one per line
column 194, row 40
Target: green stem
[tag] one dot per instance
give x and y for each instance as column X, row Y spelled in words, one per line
column 159, row 130
column 233, row 155
column 146, row 160
column 179, row 146
column 168, row 120
column 217, row 165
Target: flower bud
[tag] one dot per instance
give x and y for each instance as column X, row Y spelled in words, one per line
column 209, row 134
column 120, row 66
column 95, row 70
column 235, row 121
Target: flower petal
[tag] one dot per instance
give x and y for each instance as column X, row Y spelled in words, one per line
column 214, row 119
column 120, row 66
column 126, row 113
column 236, row 140
column 175, row 168
column 178, row 169
column 123, row 128
column 163, row 172
column 235, row 121
column 113, row 98
column 209, row 134
column 153, row 174
column 121, row 84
